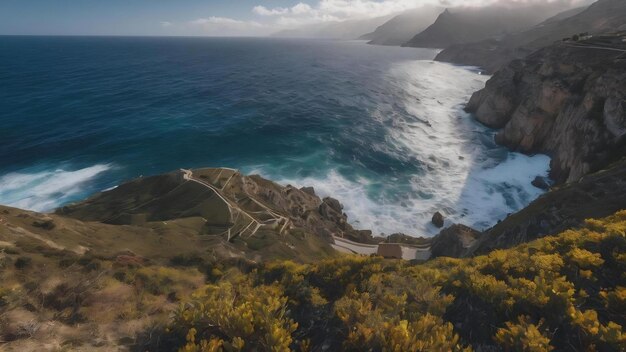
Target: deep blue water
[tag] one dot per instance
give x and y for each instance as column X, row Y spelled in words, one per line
column 380, row 128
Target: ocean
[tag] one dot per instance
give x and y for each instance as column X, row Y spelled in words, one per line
column 382, row 129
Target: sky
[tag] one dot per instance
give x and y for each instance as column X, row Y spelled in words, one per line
column 194, row 17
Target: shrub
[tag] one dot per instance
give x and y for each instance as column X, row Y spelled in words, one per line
column 234, row 315
column 523, row 336
column 23, row 262
column 564, row 292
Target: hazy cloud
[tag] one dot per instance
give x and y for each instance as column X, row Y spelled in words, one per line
column 264, row 11
column 301, row 9
column 333, row 10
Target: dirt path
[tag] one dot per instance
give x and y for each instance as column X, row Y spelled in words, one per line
column 254, row 225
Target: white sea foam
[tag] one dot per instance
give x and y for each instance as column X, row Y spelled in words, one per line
column 466, row 177
column 44, row 190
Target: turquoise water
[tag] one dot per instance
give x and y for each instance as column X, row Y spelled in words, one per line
column 380, row 128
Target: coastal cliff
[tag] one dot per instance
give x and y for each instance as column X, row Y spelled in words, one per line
column 603, row 16
column 566, row 100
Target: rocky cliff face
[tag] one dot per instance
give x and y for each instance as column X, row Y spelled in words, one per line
column 566, row 100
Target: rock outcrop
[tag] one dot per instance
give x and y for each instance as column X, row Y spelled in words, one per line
column 567, row 101
column 454, row 241
column 438, row 219
column 542, row 182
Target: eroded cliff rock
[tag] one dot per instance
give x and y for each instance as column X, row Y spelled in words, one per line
column 454, row 241
column 566, row 100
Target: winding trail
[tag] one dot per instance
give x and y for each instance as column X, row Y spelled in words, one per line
column 340, row 244
column 254, row 225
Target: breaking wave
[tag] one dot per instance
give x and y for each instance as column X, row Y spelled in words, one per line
column 44, row 190
column 459, row 171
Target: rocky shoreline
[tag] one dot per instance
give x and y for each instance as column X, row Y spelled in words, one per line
column 569, row 102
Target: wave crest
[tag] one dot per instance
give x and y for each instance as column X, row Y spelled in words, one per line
column 47, row 189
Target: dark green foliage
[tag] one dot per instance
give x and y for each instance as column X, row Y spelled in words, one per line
column 22, row 262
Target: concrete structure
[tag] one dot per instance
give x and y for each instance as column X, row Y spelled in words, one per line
column 387, row 250
column 390, row 250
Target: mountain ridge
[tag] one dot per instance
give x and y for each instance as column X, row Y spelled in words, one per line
column 466, row 24
column 491, row 54
column 402, row 27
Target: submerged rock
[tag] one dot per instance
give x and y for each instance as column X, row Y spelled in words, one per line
column 542, row 183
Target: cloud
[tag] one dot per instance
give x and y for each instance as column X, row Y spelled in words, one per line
column 297, row 10
column 337, row 10
column 166, row 24
column 216, row 20
column 301, row 9
column 264, row 11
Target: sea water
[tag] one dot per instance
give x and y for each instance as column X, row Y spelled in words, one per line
column 382, row 129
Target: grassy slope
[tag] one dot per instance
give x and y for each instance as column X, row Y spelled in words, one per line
column 66, row 284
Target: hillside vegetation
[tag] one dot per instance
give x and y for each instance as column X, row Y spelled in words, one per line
column 566, row 293
column 158, row 283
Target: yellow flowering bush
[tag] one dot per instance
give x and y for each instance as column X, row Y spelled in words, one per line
column 523, row 336
column 231, row 315
column 566, row 292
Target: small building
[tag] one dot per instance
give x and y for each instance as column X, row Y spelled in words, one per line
column 390, row 250
column 399, row 251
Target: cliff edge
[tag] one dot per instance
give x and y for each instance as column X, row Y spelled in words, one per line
column 567, row 100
